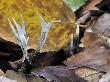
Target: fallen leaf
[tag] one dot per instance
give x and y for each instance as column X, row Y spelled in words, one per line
column 19, row 77
column 88, row 74
column 102, row 25
column 91, row 5
column 106, row 77
column 58, row 74
column 95, row 55
column 59, row 34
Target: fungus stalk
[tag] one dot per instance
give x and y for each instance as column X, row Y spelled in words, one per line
column 20, row 34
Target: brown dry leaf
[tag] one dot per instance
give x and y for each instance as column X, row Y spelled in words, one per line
column 88, row 74
column 91, row 5
column 22, row 78
column 102, row 25
column 95, row 55
column 59, row 34
column 106, row 77
column 58, row 74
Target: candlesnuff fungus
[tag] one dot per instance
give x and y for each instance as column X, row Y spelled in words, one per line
column 20, row 34
column 74, row 42
column 44, row 33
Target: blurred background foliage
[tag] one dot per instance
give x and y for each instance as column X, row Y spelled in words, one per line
column 75, row 4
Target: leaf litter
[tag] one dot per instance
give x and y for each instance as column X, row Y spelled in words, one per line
column 95, row 54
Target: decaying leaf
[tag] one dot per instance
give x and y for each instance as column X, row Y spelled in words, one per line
column 58, row 74
column 91, row 5
column 102, row 29
column 22, row 78
column 50, row 10
column 88, row 74
column 102, row 25
column 106, row 77
column 95, row 55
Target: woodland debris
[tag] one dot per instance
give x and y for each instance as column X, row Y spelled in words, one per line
column 102, row 25
column 88, row 74
column 91, row 5
column 58, row 74
column 19, row 77
column 95, row 54
column 96, row 42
